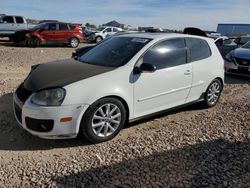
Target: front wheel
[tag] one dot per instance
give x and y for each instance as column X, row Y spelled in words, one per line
column 103, row 120
column 213, row 93
column 74, row 42
column 98, row 39
column 33, row 42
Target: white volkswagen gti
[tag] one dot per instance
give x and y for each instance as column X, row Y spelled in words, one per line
column 120, row 80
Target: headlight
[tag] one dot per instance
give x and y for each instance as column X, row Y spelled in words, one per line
column 49, row 97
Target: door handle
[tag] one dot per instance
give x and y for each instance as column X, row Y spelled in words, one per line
column 188, row 72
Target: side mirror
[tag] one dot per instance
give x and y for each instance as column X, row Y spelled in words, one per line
column 145, row 67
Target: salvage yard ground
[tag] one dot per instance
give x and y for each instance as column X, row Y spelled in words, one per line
column 191, row 147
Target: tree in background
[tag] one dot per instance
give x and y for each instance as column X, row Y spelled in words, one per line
column 88, row 25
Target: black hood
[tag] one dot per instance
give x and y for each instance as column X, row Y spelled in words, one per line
column 61, row 73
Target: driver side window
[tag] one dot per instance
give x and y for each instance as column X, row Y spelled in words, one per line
column 169, row 53
column 108, row 30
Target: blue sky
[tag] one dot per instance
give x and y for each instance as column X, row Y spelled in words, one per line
column 172, row 14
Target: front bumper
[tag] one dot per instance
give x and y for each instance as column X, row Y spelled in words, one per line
column 25, row 112
column 234, row 68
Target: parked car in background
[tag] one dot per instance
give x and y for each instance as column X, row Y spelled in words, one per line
column 102, row 33
column 50, row 33
column 44, row 21
column 10, row 24
column 238, row 61
column 226, row 45
column 122, row 79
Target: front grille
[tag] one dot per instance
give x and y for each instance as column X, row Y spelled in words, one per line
column 39, row 125
column 18, row 112
column 242, row 62
column 245, row 72
column 22, row 93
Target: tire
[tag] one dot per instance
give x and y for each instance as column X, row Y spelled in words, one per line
column 213, row 93
column 98, row 39
column 33, row 42
column 74, row 42
column 98, row 125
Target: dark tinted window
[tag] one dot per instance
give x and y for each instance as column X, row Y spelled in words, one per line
column 63, row 26
column 52, row 26
column 167, row 54
column 19, row 19
column 72, row 27
column 8, row 19
column 108, row 30
column 115, row 30
column 114, row 52
column 198, row 49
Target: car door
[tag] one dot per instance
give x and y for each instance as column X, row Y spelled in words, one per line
column 49, row 32
column 107, row 32
column 169, row 85
column 20, row 24
column 8, row 24
column 63, row 32
column 199, row 55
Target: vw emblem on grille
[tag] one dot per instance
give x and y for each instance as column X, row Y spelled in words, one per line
column 244, row 62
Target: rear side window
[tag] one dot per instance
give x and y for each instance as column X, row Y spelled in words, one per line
column 166, row 54
column 19, row 19
column 8, row 19
column 63, row 27
column 72, row 27
column 198, row 49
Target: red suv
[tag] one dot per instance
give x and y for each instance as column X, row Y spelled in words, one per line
column 50, row 33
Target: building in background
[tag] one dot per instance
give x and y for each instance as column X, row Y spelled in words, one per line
column 114, row 24
column 233, row 29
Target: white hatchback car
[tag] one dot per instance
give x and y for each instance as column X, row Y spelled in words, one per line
column 120, row 80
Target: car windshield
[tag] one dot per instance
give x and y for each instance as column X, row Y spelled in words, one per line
column 39, row 26
column 115, row 52
column 247, row 45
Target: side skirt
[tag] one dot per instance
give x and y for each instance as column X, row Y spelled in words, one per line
column 168, row 110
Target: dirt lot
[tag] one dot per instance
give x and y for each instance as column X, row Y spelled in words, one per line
column 191, row 147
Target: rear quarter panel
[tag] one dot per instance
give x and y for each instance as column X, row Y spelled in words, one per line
column 205, row 71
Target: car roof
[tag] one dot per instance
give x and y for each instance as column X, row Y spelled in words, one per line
column 56, row 22
column 160, row 35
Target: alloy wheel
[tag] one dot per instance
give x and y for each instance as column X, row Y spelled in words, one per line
column 106, row 120
column 214, row 93
column 74, row 42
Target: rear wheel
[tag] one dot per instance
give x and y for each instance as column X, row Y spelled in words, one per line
column 74, row 42
column 213, row 93
column 33, row 42
column 103, row 120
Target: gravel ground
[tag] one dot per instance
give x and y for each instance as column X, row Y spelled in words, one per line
column 191, row 147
